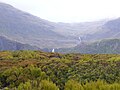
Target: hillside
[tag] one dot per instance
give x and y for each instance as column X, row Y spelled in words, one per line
column 36, row 70
column 79, row 29
column 107, row 46
column 109, row 30
column 91, row 31
column 6, row 44
column 28, row 29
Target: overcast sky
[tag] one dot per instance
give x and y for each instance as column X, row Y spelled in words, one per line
column 69, row 10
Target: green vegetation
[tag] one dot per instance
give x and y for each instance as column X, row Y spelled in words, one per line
column 36, row 70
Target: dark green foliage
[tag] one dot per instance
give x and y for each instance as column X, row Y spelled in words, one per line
column 36, row 70
column 14, row 76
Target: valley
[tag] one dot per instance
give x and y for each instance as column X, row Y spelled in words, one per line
column 38, row 54
column 25, row 28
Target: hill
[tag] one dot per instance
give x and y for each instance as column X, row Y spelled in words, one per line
column 79, row 29
column 109, row 30
column 91, row 31
column 107, row 46
column 6, row 44
column 28, row 29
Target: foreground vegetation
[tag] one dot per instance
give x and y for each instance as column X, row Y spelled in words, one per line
column 36, row 70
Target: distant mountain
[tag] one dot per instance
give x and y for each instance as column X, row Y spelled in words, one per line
column 90, row 31
column 6, row 44
column 79, row 29
column 110, row 30
column 104, row 46
column 28, row 29
column 25, row 28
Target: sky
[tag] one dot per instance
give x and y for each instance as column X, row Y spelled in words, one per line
column 69, row 10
